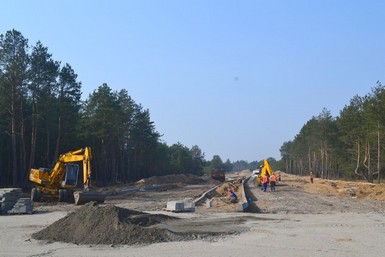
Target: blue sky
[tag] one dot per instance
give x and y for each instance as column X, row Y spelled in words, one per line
column 236, row 78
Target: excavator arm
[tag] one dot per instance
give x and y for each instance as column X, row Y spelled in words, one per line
column 265, row 170
column 59, row 171
column 87, row 169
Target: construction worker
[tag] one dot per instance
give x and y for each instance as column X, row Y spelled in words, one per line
column 311, row 177
column 264, row 182
column 232, row 195
column 272, row 182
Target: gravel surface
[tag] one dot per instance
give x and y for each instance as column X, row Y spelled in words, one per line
column 299, row 219
column 296, row 195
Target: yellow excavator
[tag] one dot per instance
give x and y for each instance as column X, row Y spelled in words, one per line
column 265, row 169
column 62, row 181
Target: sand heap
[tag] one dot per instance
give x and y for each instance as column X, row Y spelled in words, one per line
column 358, row 189
column 93, row 224
column 172, row 179
column 361, row 190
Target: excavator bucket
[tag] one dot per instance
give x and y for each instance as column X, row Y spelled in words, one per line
column 85, row 197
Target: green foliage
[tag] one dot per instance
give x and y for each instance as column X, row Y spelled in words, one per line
column 14, row 61
column 42, row 115
column 241, row 165
column 228, row 166
column 216, row 162
column 347, row 146
column 185, row 160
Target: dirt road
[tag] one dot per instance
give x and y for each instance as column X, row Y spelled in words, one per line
column 295, row 194
column 299, row 219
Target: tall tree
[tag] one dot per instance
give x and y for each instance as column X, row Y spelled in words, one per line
column 350, row 125
column 197, row 160
column 216, row 162
column 101, row 123
column 228, row 166
column 313, row 148
column 180, row 158
column 5, row 139
column 13, row 68
column 69, row 93
column 127, row 107
column 143, row 140
column 328, row 138
column 375, row 108
column 42, row 83
column 286, row 152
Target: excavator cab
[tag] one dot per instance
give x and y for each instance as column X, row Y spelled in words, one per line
column 72, row 173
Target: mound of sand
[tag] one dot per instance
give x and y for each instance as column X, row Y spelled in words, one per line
column 361, row 190
column 111, row 225
column 358, row 189
column 172, row 179
column 93, row 224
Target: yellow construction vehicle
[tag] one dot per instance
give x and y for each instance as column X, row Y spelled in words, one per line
column 62, row 181
column 265, row 169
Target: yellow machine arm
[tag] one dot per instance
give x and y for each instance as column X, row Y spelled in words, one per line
column 84, row 155
column 53, row 179
column 265, row 170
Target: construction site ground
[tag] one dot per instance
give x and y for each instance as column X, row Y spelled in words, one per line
column 326, row 218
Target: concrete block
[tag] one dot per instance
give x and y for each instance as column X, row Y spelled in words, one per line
column 175, row 206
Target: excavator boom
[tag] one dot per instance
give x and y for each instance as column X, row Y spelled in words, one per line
column 265, row 170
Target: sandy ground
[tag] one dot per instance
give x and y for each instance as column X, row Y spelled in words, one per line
column 299, row 219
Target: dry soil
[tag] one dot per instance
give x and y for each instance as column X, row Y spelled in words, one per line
column 326, row 218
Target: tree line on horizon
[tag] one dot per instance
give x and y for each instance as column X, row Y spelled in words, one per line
column 348, row 146
column 42, row 116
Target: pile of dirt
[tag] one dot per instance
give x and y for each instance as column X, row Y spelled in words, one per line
column 360, row 190
column 187, row 179
column 93, row 224
column 355, row 189
column 111, row 225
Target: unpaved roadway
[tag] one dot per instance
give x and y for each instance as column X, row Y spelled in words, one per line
column 299, row 219
column 295, row 194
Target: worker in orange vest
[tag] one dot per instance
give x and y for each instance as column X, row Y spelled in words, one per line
column 264, row 182
column 272, row 182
